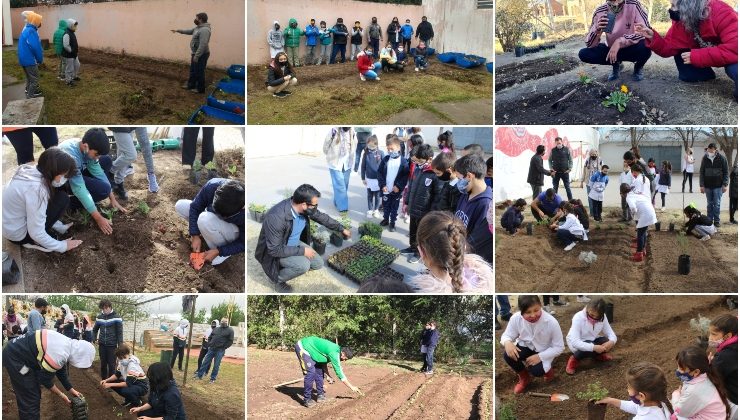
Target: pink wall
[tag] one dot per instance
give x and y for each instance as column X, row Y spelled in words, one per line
column 143, row 27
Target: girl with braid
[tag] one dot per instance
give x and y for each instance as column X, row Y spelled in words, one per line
column 647, row 388
column 442, row 248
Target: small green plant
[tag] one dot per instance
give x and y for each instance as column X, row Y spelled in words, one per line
column 232, row 169
column 559, row 60
column 545, row 221
column 683, row 242
column 197, row 166
column 85, row 217
column 585, row 78
column 257, row 208
column 506, row 411
column 321, row 235
column 143, row 208
column 700, row 324
column 109, row 213
column 594, row 392
column 371, row 229
column 346, row 221
column 211, row 166
column 618, row 98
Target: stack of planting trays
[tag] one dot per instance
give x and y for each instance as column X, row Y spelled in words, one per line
column 365, row 259
column 226, row 101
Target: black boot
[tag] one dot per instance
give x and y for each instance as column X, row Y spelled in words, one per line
column 120, row 191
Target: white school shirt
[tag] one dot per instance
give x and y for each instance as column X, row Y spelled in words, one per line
column 645, row 413
column 391, row 171
column 543, row 336
column 642, row 209
column 698, row 400
column 581, row 330
column 641, row 185
column 573, row 225
column 626, row 178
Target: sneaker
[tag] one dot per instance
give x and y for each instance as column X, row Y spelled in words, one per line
column 279, row 95
column 716, row 224
column 287, row 92
column 429, row 372
column 662, row 209
column 363, row 78
column 77, row 78
column 733, row 222
column 219, row 259
column 550, row 376
column 309, row 403
column 414, row 258
column 409, row 250
column 705, row 238
column 120, row 191
column 583, row 299
column 638, row 257
column 282, row 287
column 559, row 303
column 185, row 86
column 407, row 219
column 416, row 69
column 60, row 227
column 377, row 78
column 128, row 171
column 604, row 357
column 377, row 215
column 195, row 376
column 369, row 214
column 392, row 227
column 153, row 185
column 384, row 222
column 572, row 365
column 71, row 83
column 549, row 310
column 212, row 381
column 35, row 95
column 637, row 76
column 321, row 398
column 570, row 246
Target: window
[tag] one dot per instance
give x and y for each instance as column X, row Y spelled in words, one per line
column 485, row 4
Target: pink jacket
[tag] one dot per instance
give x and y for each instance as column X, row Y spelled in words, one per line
column 698, row 400
column 624, row 25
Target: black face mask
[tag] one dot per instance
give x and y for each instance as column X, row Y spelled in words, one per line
column 375, row 21
column 282, row 63
column 214, row 325
column 195, row 21
column 674, row 14
column 224, row 324
column 277, row 27
column 345, row 129
column 310, row 211
column 593, row 157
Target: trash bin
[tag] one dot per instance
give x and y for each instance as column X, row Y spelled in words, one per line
column 165, row 356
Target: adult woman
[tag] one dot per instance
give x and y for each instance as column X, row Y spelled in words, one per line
column 37, row 188
column 688, row 171
column 339, row 147
column 280, row 75
column 592, row 166
column 394, row 33
column 703, row 34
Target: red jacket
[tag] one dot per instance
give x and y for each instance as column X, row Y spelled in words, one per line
column 364, row 63
column 719, row 29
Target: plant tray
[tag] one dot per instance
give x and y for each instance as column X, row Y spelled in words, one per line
column 215, row 113
column 347, row 261
column 489, row 67
column 236, row 71
column 232, row 86
column 233, row 107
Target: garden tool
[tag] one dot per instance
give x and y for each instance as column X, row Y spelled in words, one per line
column 288, row 383
column 552, row 397
column 567, row 95
column 197, row 260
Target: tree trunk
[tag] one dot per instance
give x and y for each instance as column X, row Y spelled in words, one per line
column 282, row 324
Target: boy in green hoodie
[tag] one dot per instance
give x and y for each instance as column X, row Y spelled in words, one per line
column 58, row 34
column 293, row 42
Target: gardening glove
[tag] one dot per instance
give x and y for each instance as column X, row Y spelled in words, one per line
column 197, row 260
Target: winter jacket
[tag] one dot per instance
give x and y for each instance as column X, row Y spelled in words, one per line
column 221, row 338
column 719, row 30
column 664, row 178
column 432, row 339
column 733, row 182
column 168, row 403
column 333, row 147
column 108, row 329
column 724, row 364
column 402, row 177
column 276, row 229
column 421, row 52
column 69, row 41
column 477, row 277
column 340, row 34
column 199, row 42
column 512, row 219
column 76, row 182
column 714, row 173
column 425, row 193
column 624, row 25
column 58, row 34
column 365, row 62
column 407, row 31
column 699, row 400
column 560, row 159
column 312, row 35
column 450, row 194
column 700, row 220
column 25, row 200
column 273, row 75
column 374, row 31
column 582, row 331
column 356, row 38
column 275, row 39
column 392, row 34
column 325, row 36
column 293, row 35
column 203, row 202
column 370, row 163
column 30, row 52
column 537, row 171
column 472, row 212
column 424, row 31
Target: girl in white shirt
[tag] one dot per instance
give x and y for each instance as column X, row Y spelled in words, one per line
column 531, row 342
column 642, row 210
column 585, row 337
column 640, row 182
column 647, row 387
column 571, row 229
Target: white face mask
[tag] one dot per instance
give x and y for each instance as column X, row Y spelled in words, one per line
column 711, row 155
column 57, row 184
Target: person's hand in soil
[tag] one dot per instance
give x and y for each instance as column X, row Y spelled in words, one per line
column 609, row 401
column 611, row 57
column 195, row 243
column 309, row 253
column 103, row 223
column 533, row 360
column 643, row 30
column 76, row 393
column 511, row 350
column 211, row 254
column 117, row 205
column 346, row 233
column 73, row 243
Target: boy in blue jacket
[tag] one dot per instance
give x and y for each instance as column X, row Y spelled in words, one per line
column 217, row 215
column 407, row 32
column 312, row 36
column 30, row 53
column 431, row 340
column 472, row 207
column 512, row 218
column 393, row 174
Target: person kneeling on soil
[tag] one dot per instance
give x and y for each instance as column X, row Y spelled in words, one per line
column 129, row 381
column 723, row 355
column 39, row 188
column 698, row 225
column 388, row 59
column 282, row 248
column 584, row 338
column 365, row 65
column 644, row 213
column 216, row 215
column 571, row 230
column 703, row 34
column 512, row 218
column 34, row 359
column 647, row 388
column 618, row 19
column 578, row 210
column 420, row 57
column 280, row 75
column 532, row 340
column 165, row 401
column 313, row 354
column 546, row 204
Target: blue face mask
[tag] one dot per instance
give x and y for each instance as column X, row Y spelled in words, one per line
column 683, row 377
column 634, row 399
column 462, row 185
column 394, row 154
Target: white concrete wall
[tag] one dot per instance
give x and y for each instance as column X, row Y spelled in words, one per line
column 461, row 26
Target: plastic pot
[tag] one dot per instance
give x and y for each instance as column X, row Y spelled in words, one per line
column 518, row 51
column 534, row 35
column 195, row 177
column 529, row 228
column 253, row 215
column 609, row 312
column 336, row 240
column 319, row 247
column 684, row 264
column 259, row 216
column 596, row 411
column 671, row 226
column 657, row 226
column 541, row 35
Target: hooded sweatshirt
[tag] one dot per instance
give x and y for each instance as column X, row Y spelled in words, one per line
column 82, row 162
column 312, row 35
column 472, row 212
column 199, row 42
column 24, row 209
column 293, row 35
column 69, row 40
column 275, row 37
column 477, row 277
column 30, row 52
column 180, row 335
column 58, row 34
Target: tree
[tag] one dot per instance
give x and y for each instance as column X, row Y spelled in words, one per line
column 726, row 139
column 687, row 136
column 200, row 317
column 223, row 310
column 512, row 21
column 636, row 136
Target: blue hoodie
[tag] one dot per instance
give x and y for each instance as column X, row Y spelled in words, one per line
column 77, row 182
column 407, row 31
column 203, row 201
column 312, row 35
column 30, row 52
column 473, row 215
column 512, row 219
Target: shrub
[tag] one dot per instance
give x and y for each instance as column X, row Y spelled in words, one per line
column 593, row 392
column 257, row 208
column 512, row 21
column 321, row 235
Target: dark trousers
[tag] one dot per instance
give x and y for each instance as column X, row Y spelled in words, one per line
column 98, row 189
column 22, row 141
column 55, row 208
column 518, row 365
column 390, row 206
column 626, row 212
column 177, row 353
column 689, row 73
column 26, row 387
column 504, row 307
column 407, row 45
column 690, row 177
column 361, row 143
column 312, row 373
column 197, row 79
column 338, row 48
column 638, row 54
column 536, row 190
column 375, row 42
column 413, row 227
column 580, row 355
column 133, row 392
column 546, row 299
column 107, row 361
column 565, row 176
column 566, row 238
column 642, row 234
column 596, row 208
column 373, row 199
column 87, row 336
column 201, row 356
column 733, row 207
column 190, row 141
column 537, row 215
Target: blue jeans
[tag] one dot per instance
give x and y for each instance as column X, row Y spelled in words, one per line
column 518, row 365
column 421, row 62
column 312, row 373
column 642, row 238
column 340, row 48
column 566, row 237
column 565, row 176
column 373, row 199
column 504, row 307
column 580, row 355
column 373, row 74
column 214, row 355
column 197, row 79
column 390, row 206
column 98, row 189
column 638, row 54
column 340, row 184
column 714, row 198
column 429, row 359
column 692, row 74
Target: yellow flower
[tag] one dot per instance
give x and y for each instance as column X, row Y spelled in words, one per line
column 624, row 89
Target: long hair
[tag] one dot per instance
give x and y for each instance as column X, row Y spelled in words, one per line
column 160, row 375
column 442, row 237
column 649, row 379
column 277, row 66
column 692, row 13
column 694, row 357
column 53, row 162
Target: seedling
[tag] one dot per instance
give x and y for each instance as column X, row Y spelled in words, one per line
column 618, row 98
column 257, row 208
column 321, row 236
column 594, row 392
column 559, row 60
column 109, row 213
column 544, row 222
column 232, row 169
column 700, row 324
column 211, row 166
column 85, row 217
column 346, row 221
column 506, row 411
column 143, row 208
column 683, row 242
column 197, row 166
column 584, row 78
column 371, row 229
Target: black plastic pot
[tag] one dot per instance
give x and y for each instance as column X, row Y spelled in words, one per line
column 541, row 35
column 684, row 264
column 609, row 312
column 671, row 226
column 253, row 215
column 534, row 35
column 319, row 247
column 657, row 226
column 529, row 228
column 259, row 216
column 195, row 177
column 518, row 51
column 596, row 411
column 336, row 240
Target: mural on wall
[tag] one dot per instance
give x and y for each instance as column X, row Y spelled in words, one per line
column 513, row 141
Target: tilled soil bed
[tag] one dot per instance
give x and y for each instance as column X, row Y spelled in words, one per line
column 538, row 68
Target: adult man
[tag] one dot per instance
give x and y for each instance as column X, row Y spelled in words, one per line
column 221, row 339
column 375, row 36
column 561, row 162
column 199, row 52
column 283, row 248
column 537, row 172
column 341, row 33
column 313, row 354
column 425, row 32
column 714, row 177
column 546, row 204
column 36, row 319
column 108, row 333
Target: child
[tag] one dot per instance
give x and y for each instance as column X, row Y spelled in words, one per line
column 356, row 41
column 401, row 56
column 407, row 31
column 733, row 194
column 179, row 341
column 664, row 183
column 420, row 57
column 164, row 397
column 388, row 59
column 378, row 284
column 443, row 167
column 393, row 174
column 532, row 340
column 69, row 52
column 369, row 173
column 129, row 381
column 425, row 193
column 698, row 225
column 647, row 387
column 512, row 218
column 30, row 53
column 701, row 394
column 58, row 47
column 598, row 181
column 312, row 35
column 640, row 183
column 644, row 212
column 584, row 338
column 625, row 177
column 429, row 343
column 406, row 149
column 325, row 40
column 446, row 143
column 580, row 212
column 489, row 172
column 652, row 171
column 292, row 35
column 473, row 148
column 275, row 39
column 475, row 198
column 280, row 76
column 442, row 245
column 723, row 359
column 571, row 229
column 366, row 67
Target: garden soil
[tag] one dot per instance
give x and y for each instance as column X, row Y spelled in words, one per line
column 390, row 393
column 649, row 328
column 521, row 71
column 145, row 253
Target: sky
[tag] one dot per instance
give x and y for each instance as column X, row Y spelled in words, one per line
column 171, row 306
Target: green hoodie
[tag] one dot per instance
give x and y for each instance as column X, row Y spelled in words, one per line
column 58, row 35
column 293, row 35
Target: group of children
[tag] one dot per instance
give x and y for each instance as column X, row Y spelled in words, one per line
column 533, row 340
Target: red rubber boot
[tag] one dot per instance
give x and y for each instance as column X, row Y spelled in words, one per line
column 524, row 380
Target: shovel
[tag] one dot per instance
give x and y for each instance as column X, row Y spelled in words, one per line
column 552, row 397
column 567, row 95
column 197, row 260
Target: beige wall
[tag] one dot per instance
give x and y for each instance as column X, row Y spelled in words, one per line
column 461, row 26
column 143, row 27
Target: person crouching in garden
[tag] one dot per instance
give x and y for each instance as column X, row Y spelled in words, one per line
column 280, row 75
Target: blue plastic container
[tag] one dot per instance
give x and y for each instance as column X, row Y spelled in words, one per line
column 470, row 61
column 235, row 107
column 448, row 57
column 235, row 86
column 219, row 114
column 236, row 71
column 489, row 67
